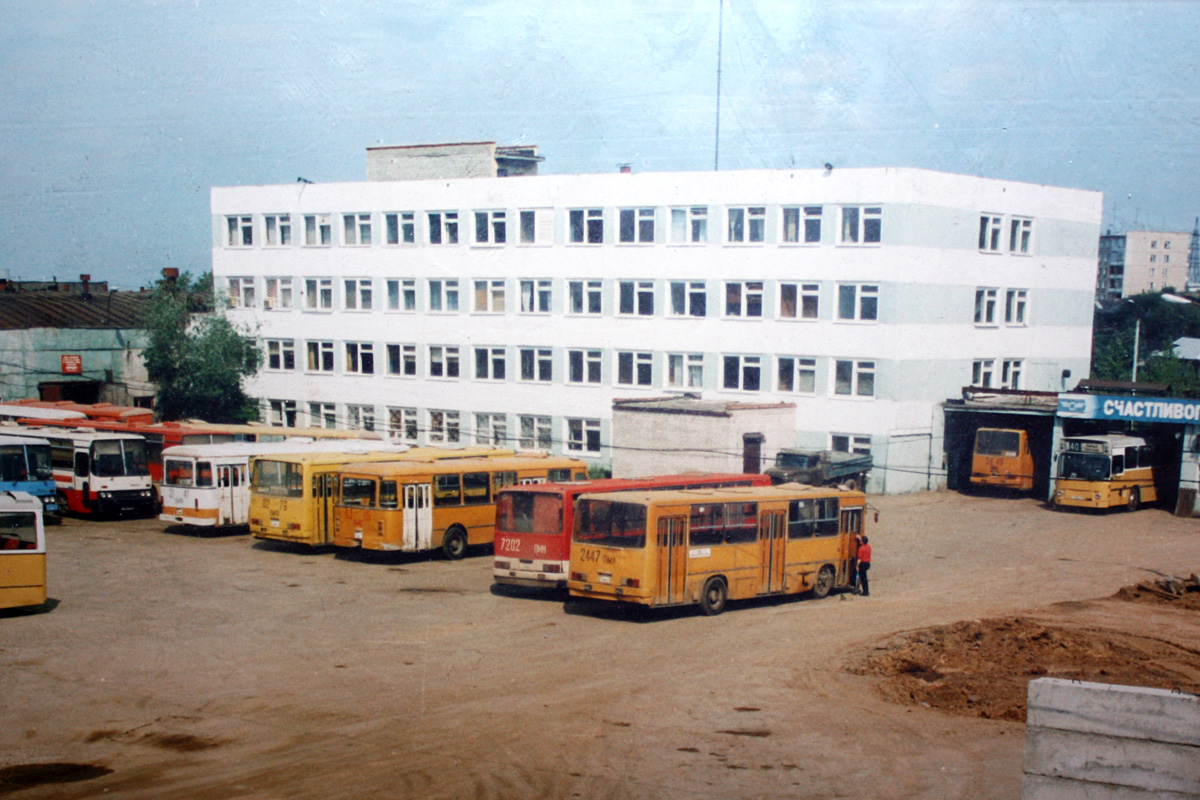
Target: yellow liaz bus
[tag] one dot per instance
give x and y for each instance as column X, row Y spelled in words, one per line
column 423, row 505
column 22, row 551
column 1105, row 471
column 292, row 496
column 1002, row 458
column 708, row 546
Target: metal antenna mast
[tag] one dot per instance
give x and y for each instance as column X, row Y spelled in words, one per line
column 720, row 33
column 1194, row 256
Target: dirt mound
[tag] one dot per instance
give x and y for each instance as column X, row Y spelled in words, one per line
column 983, row 668
column 1181, row 593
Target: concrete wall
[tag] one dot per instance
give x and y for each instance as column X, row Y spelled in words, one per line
column 430, row 162
column 684, row 442
column 1154, row 260
column 1096, row 741
column 113, row 357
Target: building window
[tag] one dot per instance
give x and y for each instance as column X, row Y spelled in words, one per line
column 744, row 299
column 583, row 435
column 443, row 361
column 587, row 225
column 318, row 294
column 583, row 366
column 746, row 225
column 535, row 296
column 322, row 415
column 278, row 229
column 862, row 224
column 797, row 375
column 241, row 231
column 491, row 429
column 279, row 293
column 281, row 354
column 858, row 302
column 443, row 227
column 981, row 372
column 990, row 227
column 635, row 369
column 491, row 227
column 685, row 370
column 743, row 372
column 318, row 230
column 537, row 364
column 1153, row 258
column 489, row 296
column 443, row 426
column 689, row 224
column 402, row 360
column 282, row 413
column 1020, row 231
column 1154, row 243
column 636, row 297
column 402, row 424
column 799, row 300
column 358, row 294
column 402, row 295
column 241, row 292
column 443, row 295
column 356, row 229
column 1166, row 260
column 360, row 418
column 360, row 358
column 985, row 306
column 812, row 225
column 489, row 363
column 535, row 433
column 1010, row 373
column 401, row 227
column 320, row 356
column 537, row 226
column 850, row 443
column 584, row 296
column 855, row 378
column 636, row 225
column 1014, row 306
column 688, row 299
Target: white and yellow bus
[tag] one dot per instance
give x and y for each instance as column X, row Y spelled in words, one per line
column 708, row 546
column 450, row 504
column 292, row 497
column 22, row 551
column 1105, row 471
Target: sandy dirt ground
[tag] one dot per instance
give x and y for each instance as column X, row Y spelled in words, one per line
column 176, row 666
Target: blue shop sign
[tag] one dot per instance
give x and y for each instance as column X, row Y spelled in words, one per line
column 1133, row 409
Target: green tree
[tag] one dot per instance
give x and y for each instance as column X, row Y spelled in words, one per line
column 198, row 358
column 1158, row 323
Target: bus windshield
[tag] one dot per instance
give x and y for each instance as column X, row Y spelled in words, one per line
column 529, row 512
column 115, row 458
column 178, row 472
column 24, row 462
column 1084, row 466
column 18, row 530
column 278, row 478
column 603, row 522
column 998, row 443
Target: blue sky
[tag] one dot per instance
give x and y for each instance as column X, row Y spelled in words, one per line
column 117, row 117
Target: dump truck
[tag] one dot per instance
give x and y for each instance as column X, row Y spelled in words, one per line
column 820, row 468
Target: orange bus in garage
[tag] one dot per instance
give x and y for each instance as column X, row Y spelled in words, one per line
column 1002, row 459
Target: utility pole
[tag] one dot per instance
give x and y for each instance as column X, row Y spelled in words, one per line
column 1137, row 335
column 720, row 37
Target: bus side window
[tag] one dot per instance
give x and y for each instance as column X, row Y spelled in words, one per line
column 827, row 516
column 741, row 524
column 1118, row 465
column 559, row 475
column 800, row 519
column 707, row 525
column 502, row 479
column 476, row 487
column 388, row 498
column 81, row 465
column 446, row 490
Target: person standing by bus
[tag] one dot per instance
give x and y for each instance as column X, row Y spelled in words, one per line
column 862, row 585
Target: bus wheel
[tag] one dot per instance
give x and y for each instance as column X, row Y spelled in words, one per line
column 1134, row 500
column 454, row 545
column 824, row 582
column 851, row 483
column 712, row 599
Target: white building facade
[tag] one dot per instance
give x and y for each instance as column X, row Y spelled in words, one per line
column 514, row 310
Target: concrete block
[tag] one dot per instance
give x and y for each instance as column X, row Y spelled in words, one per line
column 1127, row 711
column 1113, row 760
column 1041, row 787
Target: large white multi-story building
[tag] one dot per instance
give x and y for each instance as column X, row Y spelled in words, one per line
column 515, row 309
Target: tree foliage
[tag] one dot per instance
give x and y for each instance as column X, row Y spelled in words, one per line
column 198, row 358
column 1161, row 323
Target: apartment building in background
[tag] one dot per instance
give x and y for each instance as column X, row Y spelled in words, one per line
column 1141, row 261
column 515, row 309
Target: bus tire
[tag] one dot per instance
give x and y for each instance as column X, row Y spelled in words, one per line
column 714, row 596
column 824, row 582
column 852, row 483
column 1134, row 501
column 454, row 544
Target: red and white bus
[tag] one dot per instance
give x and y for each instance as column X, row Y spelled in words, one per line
column 534, row 523
column 95, row 472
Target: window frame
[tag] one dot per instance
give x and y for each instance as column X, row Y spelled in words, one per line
column 803, row 293
column 277, row 228
column 639, row 290
column 865, row 302
column 356, row 229
column 284, row 350
column 690, row 294
column 639, row 217
column 446, row 288
column 750, row 220
column 582, row 433
column 540, row 362
column 797, row 368
column 589, row 289
column 585, row 226
column 745, row 366
column 745, row 293
column 540, row 295
column 860, row 230
column 319, row 357
column 403, row 224
column 360, row 358
column 859, row 368
column 694, row 220
column 590, row 362
column 493, row 224
column 446, row 359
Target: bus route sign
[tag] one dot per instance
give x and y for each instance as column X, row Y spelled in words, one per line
column 1134, row 409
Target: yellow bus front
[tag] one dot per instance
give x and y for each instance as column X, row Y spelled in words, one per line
column 1105, row 474
column 282, row 508
column 1001, row 458
column 22, row 551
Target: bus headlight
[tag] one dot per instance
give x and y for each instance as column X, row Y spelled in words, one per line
column 104, row 495
column 1097, row 496
column 144, row 494
column 1058, row 493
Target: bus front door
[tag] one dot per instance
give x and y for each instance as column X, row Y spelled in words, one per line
column 672, row 560
column 851, row 527
column 418, row 517
column 325, row 483
column 772, row 543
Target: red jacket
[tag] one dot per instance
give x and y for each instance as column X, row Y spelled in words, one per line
column 864, row 554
